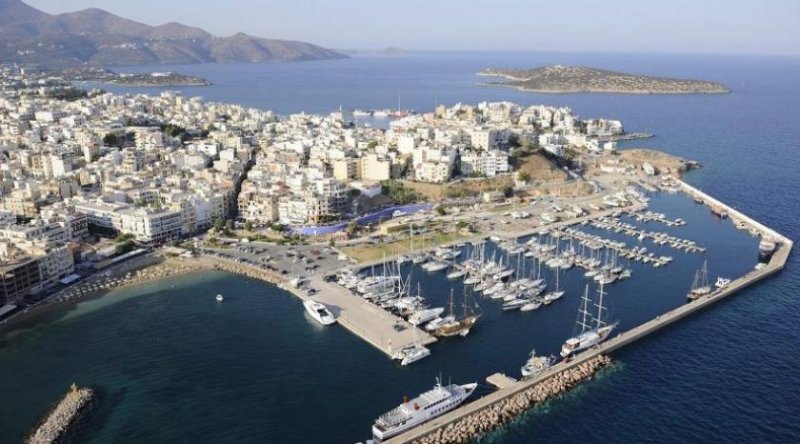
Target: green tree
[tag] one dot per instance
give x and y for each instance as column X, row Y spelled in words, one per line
column 523, row 176
column 219, row 224
column 248, row 226
column 441, row 210
column 229, row 225
column 124, row 246
column 110, row 139
column 352, row 226
column 332, row 242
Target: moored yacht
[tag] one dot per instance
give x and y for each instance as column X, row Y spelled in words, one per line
column 426, row 315
column 592, row 329
column 319, row 311
column 700, row 286
column 536, row 364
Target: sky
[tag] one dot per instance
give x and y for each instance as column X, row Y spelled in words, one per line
column 641, row 26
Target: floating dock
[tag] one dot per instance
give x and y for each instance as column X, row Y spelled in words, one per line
column 501, row 380
column 444, row 425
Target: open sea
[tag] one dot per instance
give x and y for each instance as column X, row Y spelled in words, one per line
column 172, row 365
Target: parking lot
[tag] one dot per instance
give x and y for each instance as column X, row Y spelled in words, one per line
column 288, row 261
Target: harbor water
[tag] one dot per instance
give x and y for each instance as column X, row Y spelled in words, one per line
column 172, row 365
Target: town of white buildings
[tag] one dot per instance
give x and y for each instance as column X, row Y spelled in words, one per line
column 160, row 168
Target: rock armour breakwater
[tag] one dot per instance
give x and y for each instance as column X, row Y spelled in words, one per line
column 479, row 423
column 59, row 422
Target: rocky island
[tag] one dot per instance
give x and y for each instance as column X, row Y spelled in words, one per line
column 582, row 79
column 102, row 75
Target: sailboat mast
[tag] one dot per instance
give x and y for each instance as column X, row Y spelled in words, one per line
column 452, row 304
column 585, row 309
column 464, row 302
column 600, row 294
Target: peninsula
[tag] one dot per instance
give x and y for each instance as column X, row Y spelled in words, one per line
column 582, row 79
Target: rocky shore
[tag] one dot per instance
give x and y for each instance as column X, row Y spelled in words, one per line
column 244, row 270
column 59, row 422
column 477, row 424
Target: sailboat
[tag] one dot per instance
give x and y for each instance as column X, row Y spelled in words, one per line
column 553, row 295
column 457, row 327
column 592, row 329
column 700, row 286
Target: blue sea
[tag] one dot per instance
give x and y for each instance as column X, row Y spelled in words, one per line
column 174, row 366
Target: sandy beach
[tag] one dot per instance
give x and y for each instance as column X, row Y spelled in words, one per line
column 143, row 269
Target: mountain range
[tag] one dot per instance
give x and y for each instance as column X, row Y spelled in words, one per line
column 94, row 36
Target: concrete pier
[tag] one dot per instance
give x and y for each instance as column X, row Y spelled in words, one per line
column 367, row 321
column 372, row 323
column 439, row 427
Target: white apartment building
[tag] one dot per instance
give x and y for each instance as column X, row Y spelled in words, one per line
column 486, row 163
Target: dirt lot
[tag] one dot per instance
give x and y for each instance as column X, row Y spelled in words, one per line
column 370, row 252
column 469, row 187
column 541, row 169
column 664, row 163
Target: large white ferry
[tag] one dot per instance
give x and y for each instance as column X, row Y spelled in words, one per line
column 429, row 405
column 319, row 311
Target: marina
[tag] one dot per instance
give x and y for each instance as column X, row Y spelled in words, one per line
column 451, row 428
column 385, row 304
column 159, row 346
column 400, row 330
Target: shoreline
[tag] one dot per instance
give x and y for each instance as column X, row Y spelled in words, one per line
column 591, row 91
column 509, row 79
column 139, row 274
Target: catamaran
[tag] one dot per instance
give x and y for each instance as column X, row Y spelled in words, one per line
column 431, row 404
column 592, row 329
column 413, row 352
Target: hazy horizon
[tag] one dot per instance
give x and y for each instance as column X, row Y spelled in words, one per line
column 627, row 26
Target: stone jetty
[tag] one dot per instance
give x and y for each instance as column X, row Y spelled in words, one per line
column 245, row 270
column 495, row 415
column 59, row 422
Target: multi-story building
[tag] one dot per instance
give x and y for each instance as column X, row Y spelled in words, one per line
column 19, row 277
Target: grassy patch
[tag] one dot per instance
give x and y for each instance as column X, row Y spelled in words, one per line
column 369, row 253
